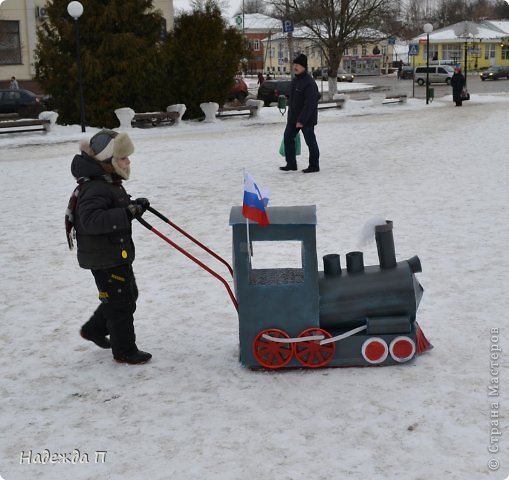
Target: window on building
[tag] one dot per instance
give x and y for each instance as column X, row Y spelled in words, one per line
column 355, row 51
column 433, row 52
column 489, row 50
column 452, row 51
column 256, row 45
column 364, row 50
column 505, row 52
column 10, row 46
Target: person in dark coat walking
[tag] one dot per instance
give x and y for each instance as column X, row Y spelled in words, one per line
column 101, row 215
column 302, row 116
column 457, row 84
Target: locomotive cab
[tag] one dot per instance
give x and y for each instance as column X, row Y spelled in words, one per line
column 279, row 299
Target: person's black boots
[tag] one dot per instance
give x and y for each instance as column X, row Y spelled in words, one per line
column 311, row 169
column 102, row 342
column 134, row 359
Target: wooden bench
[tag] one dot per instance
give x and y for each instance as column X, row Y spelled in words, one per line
column 399, row 98
column 25, row 125
column 339, row 103
column 9, row 116
column 154, row 119
column 234, row 111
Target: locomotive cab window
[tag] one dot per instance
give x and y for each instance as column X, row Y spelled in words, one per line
column 277, row 263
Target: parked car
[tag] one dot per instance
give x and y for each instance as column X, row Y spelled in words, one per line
column 239, row 90
column 23, row 102
column 494, row 73
column 406, row 73
column 317, row 72
column 342, row 75
column 437, row 74
column 451, row 63
column 270, row 90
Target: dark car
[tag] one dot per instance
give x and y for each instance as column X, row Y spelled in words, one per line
column 406, row 73
column 22, row 102
column 342, row 75
column 494, row 73
column 317, row 72
column 239, row 90
column 270, row 90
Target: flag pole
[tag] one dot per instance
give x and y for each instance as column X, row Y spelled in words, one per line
column 249, row 250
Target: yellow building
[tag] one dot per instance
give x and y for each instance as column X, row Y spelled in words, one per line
column 479, row 44
column 18, row 24
column 370, row 58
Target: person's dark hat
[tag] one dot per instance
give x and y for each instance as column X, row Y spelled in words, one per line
column 301, row 60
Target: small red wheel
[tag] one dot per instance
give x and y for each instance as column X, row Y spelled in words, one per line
column 310, row 353
column 270, row 353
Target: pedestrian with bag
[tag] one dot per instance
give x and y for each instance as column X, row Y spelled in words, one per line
column 101, row 212
column 302, row 116
column 458, row 85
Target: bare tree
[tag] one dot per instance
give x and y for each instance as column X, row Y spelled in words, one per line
column 253, row 6
column 335, row 25
column 501, row 9
column 448, row 12
column 415, row 17
column 480, row 10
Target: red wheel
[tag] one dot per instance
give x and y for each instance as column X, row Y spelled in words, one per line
column 271, row 353
column 310, row 353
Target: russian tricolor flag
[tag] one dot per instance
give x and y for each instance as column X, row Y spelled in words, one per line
column 255, row 201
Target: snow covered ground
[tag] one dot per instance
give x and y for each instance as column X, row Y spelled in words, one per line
column 439, row 172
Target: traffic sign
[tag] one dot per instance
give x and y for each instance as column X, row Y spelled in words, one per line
column 287, row 26
column 413, row 49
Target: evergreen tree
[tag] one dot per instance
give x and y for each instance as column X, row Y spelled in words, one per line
column 120, row 55
column 204, row 55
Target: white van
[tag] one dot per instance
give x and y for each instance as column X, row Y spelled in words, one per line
column 437, row 74
column 451, row 63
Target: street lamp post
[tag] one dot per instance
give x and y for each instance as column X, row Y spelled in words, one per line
column 466, row 30
column 428, row 28
column 466, row 60
column 75, row 10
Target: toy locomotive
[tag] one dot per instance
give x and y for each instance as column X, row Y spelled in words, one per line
column 302, row 317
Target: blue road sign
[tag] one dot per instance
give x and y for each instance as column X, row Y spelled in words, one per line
column 413, row 49
column 287, row 26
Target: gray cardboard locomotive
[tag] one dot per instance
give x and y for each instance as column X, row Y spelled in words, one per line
column 303, row 317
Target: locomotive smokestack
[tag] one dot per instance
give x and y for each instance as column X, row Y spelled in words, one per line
column 332, row 265
column 354, row 262
column 415, row 264
column 385, row 245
